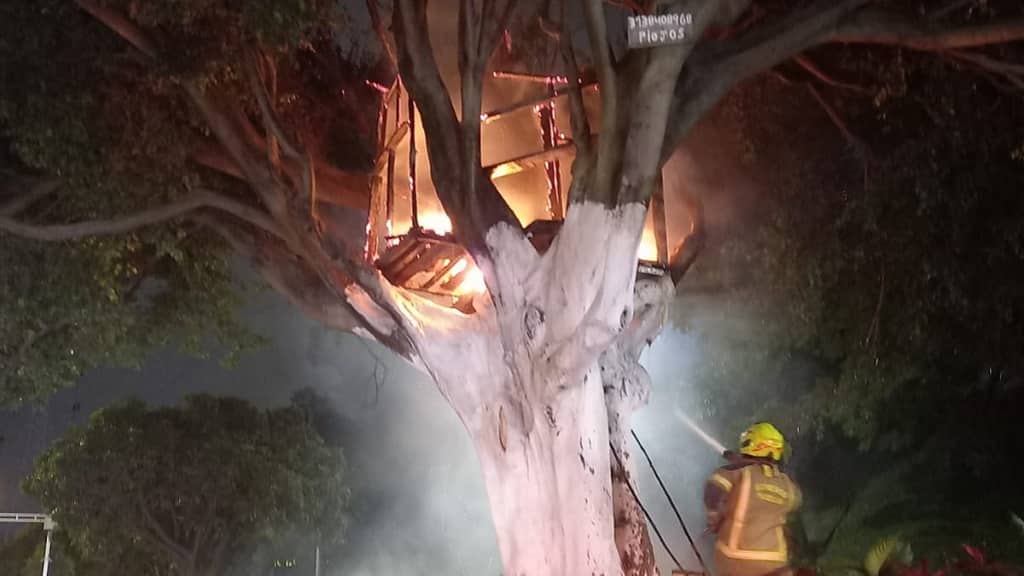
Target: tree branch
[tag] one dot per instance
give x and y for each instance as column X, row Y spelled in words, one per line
column 287, row 274
column 651, row 106
column 176, row 209
column 272, row 128
column 382, row 35
column 471, row 214
column 600, row 187
column 161, row 535
column 878, row 26
column 715, row 69
column 581, row 134
column 691, row 246
column 720, row 68
column 20, row 202
column 820, row 74
column 220, row 123
column 1001, row 71
column 228, row 134
column 124, row 27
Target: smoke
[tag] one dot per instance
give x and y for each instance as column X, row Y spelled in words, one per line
column 419, row 505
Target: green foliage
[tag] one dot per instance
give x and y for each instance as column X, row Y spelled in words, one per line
column 139, row 485
column 78, row 104
column 869, row 287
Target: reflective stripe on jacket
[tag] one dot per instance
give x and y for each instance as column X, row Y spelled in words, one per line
column 746, row 505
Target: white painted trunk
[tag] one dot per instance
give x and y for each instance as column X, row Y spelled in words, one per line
column 550, row 489
column 523, row 374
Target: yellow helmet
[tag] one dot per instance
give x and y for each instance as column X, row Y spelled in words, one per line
column 762, row 440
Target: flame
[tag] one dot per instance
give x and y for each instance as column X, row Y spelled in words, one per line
column 437, row 222
column 473, row 282
column 648, row 250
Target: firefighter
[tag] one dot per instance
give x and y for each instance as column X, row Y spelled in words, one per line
column 747, row 502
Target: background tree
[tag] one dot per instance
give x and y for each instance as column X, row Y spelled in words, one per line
column 182, row 490
column 868, row 296
column 199, row 125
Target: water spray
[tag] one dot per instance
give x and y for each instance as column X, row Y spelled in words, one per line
column 717, row 446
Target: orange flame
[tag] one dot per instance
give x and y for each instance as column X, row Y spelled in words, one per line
column 473, row 282
column 648, row 251
column 437, row 222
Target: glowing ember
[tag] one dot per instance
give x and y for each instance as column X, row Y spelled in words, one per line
column 377, row 86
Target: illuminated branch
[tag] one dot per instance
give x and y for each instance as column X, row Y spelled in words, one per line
column 691, row 246
column 472, row 214
column 182, row 207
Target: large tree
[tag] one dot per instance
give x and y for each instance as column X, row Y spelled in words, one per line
column 184, row 490
column 159, row 127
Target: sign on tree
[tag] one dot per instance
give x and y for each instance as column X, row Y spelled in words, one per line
column 649, row 30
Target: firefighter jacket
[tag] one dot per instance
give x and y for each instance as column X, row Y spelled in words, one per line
column 747, row 502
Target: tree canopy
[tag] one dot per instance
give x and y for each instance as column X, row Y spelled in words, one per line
column 183, row 490
column 151, row 139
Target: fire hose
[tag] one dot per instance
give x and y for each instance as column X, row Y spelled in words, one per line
column 675, row 509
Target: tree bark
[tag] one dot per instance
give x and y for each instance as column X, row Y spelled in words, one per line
column 524, row 375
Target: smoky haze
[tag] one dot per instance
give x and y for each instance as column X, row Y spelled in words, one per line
column 418, row 499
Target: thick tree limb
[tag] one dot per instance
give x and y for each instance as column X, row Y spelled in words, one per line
column 21, row 202
column 716, row 69
column 691, row 246
column 176, row 209
column 719, row 69
column 230, row 136
column 334, row 186
column 287, row 274
column 480, row 26
column 651, row 104
column 227, row 132
column 601, row 187
column 877, row 26
column 272, row 127
column 581, row 133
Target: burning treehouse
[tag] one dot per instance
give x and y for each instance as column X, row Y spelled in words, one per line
column 528, row 157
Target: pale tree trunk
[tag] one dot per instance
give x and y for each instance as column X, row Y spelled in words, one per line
column 627, row 388
column 524, row 375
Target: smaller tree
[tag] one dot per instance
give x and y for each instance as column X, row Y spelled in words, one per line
column 181, row 490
